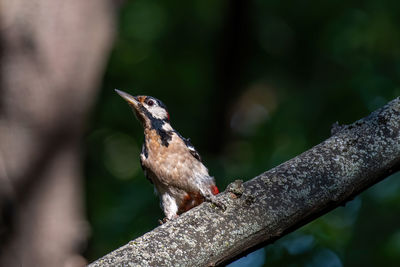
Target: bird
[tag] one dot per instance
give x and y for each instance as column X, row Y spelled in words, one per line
column 170, row 161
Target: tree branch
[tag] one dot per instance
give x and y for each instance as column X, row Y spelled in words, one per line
column 276, row 202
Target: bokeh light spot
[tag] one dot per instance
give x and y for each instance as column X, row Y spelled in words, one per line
column 121, row 155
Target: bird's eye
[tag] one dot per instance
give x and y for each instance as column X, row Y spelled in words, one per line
column 150, row 102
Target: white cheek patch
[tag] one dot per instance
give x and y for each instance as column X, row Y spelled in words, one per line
column 158, row 112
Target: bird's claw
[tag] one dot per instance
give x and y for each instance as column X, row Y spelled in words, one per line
column 164, row 220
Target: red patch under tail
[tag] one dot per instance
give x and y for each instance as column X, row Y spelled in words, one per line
column 214, row 190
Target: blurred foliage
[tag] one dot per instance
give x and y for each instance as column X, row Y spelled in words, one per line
column 253, row 84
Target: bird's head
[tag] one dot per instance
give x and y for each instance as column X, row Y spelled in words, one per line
column 151, row 112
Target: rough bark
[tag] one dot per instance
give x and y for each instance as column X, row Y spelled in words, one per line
column 276, row 202
column 53, row 54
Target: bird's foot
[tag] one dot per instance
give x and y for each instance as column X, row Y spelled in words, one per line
column 164, row 220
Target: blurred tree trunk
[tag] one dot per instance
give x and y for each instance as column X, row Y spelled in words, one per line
column 52, row 57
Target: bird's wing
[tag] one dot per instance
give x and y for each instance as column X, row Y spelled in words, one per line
column 144, row 168
column 189, row 145
column 191, row 148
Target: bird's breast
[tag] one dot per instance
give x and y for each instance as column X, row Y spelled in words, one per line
column 173, row 164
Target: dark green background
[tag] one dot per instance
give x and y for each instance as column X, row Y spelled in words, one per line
column 253, row 84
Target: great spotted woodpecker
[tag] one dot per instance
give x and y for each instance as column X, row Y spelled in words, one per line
column 170, row 161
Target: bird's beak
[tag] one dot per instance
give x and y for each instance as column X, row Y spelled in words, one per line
column 136, row 103
column 133, row 101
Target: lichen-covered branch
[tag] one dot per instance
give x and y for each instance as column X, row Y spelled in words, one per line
column 276, row 202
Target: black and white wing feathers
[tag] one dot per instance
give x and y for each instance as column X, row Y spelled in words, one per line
column 146, row 171
column 189, row 145
column 192, row 150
